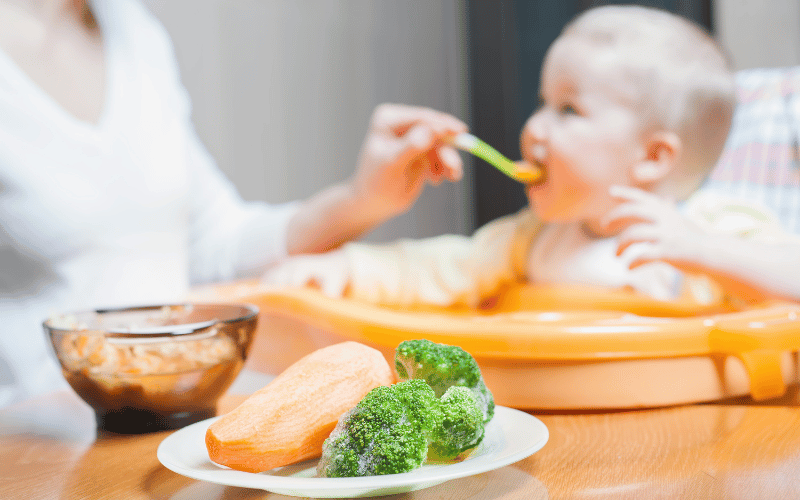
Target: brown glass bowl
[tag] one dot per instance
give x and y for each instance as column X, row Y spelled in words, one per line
column 145, row 369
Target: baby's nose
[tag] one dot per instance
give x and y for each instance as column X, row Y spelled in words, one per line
column 533, row 137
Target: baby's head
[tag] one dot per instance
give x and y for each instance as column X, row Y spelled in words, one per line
column 631, row 96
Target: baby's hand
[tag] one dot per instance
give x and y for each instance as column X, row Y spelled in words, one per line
column 328, row 272
column 403, row 150
column 663, row 232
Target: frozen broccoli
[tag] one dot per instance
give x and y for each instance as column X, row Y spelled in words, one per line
column 387, row 432
column 443, row 366
column 461, row 426
column 440, row 407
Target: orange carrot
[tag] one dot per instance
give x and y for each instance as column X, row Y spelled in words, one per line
column 287, row 421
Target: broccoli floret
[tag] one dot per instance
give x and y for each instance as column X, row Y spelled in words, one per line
column 461, row 426
column 440, row 406
column 443, row 366
column 387, row 432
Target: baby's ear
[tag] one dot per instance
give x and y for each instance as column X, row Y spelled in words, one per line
column 663, row 151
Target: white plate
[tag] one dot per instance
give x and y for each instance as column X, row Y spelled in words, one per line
column 510, row 436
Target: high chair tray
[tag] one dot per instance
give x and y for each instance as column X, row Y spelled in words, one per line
column 552, row 347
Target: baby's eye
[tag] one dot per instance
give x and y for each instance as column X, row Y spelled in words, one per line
column 567, row 109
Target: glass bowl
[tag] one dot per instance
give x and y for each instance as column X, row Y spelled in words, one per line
column 151, row 368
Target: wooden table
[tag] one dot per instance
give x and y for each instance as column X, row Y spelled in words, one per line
column 49, row 449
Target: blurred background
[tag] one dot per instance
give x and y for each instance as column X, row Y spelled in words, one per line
column 283, row 89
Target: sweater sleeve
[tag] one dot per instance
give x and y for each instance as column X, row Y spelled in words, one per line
column 228, row 237
column 445, row 270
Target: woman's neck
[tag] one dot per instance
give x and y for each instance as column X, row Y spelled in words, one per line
column 58, row 45
column 54, row 12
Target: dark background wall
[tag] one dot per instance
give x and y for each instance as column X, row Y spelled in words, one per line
column 507, row 43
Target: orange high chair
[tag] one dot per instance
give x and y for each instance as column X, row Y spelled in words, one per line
column 555, row 348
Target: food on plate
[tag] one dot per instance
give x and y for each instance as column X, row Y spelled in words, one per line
column 443, row 366
column 438, row 410
column 462, row 424
column 386, row 433
column 287, row 421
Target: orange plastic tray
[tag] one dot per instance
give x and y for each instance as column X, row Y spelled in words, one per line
column 553, row 347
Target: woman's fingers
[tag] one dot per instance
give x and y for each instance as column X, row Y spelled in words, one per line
column 451, row 161
column 397, row 119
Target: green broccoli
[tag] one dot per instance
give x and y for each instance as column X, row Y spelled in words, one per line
column 461, row 426
column 440, row 407
column 443, row 366
column 387, row 432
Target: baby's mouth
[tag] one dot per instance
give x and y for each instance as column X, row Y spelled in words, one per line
column 531, row 172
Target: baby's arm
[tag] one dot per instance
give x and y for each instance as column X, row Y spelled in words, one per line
column 445, row 270
column 329, row 272
column 403, row 150
column 753, row 268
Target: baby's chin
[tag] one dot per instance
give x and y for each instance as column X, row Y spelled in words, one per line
column 551, row 214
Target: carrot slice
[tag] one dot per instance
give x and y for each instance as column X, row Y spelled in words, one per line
column 288, row 420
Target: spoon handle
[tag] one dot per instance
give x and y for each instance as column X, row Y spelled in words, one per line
column 471, row 144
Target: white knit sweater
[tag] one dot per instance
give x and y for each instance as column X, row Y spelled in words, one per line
column 127, row 211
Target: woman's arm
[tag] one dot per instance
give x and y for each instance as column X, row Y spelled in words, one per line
column 403, row 150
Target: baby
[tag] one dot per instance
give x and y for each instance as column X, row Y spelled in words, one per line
column 636, row 107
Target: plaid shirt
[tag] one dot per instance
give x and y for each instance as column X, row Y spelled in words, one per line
column 761, row 160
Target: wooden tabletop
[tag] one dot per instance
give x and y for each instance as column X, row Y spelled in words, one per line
column 49, row 448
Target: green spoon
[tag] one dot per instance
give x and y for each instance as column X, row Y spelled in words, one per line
column 471, row 144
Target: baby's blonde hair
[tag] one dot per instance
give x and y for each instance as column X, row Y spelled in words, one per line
column 684, row 80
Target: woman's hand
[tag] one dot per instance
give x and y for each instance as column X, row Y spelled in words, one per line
column 404, row 149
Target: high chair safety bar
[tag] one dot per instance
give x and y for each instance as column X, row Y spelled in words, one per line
column 506, row 335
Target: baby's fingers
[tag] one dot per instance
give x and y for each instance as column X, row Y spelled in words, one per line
column 629, row 193
column 300, row 271
column 286, row 275
column 646, row 256
column 624, row 215
column 638, row 233
column 334, row 284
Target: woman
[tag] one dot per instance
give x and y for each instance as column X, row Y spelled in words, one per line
column 108, row 197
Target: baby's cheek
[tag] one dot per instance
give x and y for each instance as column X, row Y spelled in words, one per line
column 591, row 194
